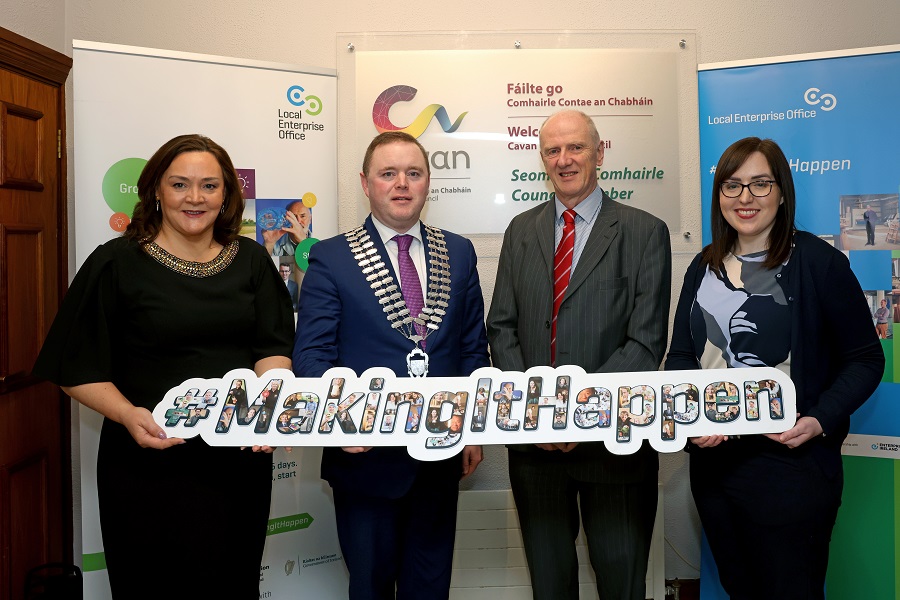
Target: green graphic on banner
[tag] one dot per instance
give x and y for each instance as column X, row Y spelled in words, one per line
column 120, row 185
column 893, row 356
column 301, row 255
column 890, row 370
column 93, row 562
column 289, row 523
column 863, row 559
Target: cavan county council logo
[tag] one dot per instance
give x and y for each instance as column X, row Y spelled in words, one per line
column 313, row 103
column 826, row 101
column 405, row 93
column 874, row 446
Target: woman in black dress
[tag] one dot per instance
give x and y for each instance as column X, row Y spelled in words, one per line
column 179, row 295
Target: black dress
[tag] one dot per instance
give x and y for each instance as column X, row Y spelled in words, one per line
column 189, row 520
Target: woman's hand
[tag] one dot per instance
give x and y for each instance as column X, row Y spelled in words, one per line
column 804, row 430
column 356, row 449
column 106, row 399
column 145, row 431
column 709, row 441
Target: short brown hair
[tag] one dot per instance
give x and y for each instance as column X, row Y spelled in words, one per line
column 724, row 236
column 392, row 137
column 146, row 220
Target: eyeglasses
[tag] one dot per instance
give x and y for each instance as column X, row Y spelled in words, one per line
column 758, row 189
column 574, row 149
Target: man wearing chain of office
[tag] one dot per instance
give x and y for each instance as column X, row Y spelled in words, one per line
column 398, row 293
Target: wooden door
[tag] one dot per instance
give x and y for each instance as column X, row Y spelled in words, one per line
column 35, row 465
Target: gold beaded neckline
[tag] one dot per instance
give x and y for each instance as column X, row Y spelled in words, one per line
column 191, row 268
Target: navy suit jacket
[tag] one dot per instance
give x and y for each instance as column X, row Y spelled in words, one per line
column 341, row 324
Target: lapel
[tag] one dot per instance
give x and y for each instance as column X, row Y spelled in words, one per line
column 434, row 335
column 544, row 232
column 602, row 234
column 424, row 235
column 365, row 289
column 379, row 245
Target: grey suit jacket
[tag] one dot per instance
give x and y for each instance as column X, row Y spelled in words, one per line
column 614, row 316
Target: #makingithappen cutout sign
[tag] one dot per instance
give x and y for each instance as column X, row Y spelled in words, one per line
column 435, row 417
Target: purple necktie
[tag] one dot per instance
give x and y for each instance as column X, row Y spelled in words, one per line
column 409, row 281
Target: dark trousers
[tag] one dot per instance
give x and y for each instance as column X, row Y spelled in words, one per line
column 618, row 523
column 404, row 542
column 870, row 232
column 768, row 512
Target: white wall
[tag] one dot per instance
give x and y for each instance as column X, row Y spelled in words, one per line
column 43, row 21
column 304, row 33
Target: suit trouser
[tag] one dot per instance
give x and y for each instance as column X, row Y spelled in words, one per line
column 405, row 542
column 618, row 523
column 768, row 512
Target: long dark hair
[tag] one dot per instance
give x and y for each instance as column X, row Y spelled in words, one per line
column 146, row 221
column 724, row 235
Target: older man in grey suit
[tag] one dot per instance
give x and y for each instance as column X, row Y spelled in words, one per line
column 582, row 280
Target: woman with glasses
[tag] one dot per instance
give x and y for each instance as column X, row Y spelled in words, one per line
column 765, row 294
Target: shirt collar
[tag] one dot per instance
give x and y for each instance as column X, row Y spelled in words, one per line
column 587, row 209
column 387, row 233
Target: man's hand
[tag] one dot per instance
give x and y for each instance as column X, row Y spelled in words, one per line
column 269, row 237
column 709, row 441
column 263, row 449
column 295, row 230
column 472, row 457
column 564, row 446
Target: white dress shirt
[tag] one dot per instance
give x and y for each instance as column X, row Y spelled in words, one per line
column 416, row 250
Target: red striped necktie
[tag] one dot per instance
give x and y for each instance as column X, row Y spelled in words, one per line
column 562, row 269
